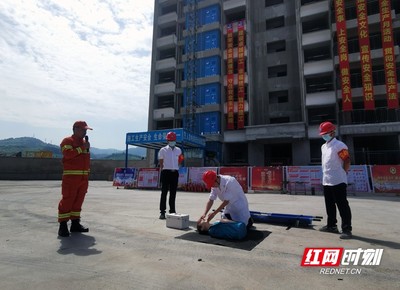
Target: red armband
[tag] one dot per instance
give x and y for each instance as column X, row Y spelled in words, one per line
column 344, row 154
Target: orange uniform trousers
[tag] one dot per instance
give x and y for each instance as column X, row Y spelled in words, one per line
column 73, row 191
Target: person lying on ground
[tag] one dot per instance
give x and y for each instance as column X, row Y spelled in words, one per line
column 222, row 229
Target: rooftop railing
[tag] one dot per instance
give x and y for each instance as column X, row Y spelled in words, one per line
column 361, row 116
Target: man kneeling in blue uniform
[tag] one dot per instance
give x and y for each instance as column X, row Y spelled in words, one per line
column 223, row 229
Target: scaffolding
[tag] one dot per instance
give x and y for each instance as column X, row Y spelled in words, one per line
column 191, row 67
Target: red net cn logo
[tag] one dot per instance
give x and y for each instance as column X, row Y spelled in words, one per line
column 322, row 257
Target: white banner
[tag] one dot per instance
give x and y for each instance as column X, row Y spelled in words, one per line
column 148, row 177
column 357, row 179
column 307, row 177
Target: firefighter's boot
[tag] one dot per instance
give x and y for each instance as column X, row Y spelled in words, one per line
column 76, row 227
column 63, row 230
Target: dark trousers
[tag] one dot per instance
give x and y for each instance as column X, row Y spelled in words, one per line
column 169, row 181
column 337, row 196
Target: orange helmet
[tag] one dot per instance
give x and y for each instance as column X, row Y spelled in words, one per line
column 326, row 127
column 209, row 178
column 171, row 136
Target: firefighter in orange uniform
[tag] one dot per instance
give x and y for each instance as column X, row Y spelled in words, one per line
column 75, row 180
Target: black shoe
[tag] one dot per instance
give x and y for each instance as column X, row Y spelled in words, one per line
column 162, row 216
column 346, row 235
column 76, row 227
column 63, row 230
column 327, row 229
column 250, row 223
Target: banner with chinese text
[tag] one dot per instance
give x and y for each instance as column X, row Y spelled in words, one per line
column 357, row 179
column 195, row 179
column 311, row 177
column 386, row 178
column 365, row 55
column 230, row 78
column 266, row 178
column 148, row 177
column 389, row 58
column 183, row 177
column 241, row 75
column 306, row 176
column 343, row 54
column 240, row 173
column 124, row 177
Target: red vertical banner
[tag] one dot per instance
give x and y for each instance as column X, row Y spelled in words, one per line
column 389, row 58
column 230, row 77
column 365, row 55
column 241, row 75
column 343, row 54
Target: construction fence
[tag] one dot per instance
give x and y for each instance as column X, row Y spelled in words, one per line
column 283, row 179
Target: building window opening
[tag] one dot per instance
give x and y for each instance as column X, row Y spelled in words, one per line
column 163, row 125
column 269, row 3
column 238, row 154
column 165, row 102
column 234, row 17
column 166, row 77
column 168, row 9
column 317, row 54
column 276, row 46
column 279, row 120
column 317, row 24
column 373, row 150
column 278, row 97
column 275, row 23
column 277, row 71
column 321, row 114
column 167, row 31
column 319, row 84
column 278, row 154
column 168, row 53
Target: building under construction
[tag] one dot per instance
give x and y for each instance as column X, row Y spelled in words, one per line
column 257, row 77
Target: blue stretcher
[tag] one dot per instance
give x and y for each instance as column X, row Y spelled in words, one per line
column 286, row 219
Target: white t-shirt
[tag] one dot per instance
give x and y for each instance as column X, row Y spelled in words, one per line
column 170, row 157
column 332, row 164
column 230, row 189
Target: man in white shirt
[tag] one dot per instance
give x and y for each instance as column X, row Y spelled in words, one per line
column 234, row 202
column 335, row 166
column 169, row 158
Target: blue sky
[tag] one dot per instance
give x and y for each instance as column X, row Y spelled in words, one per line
column 68, row 60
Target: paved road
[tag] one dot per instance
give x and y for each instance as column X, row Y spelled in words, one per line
column 128, row 247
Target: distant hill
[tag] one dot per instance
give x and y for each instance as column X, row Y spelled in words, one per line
column 20, row 146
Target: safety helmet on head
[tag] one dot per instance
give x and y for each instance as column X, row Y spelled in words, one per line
column 326, row 127
column 171, row 136
column 81, row 125
column 209, row 178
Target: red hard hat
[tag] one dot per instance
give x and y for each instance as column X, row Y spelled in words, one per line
column 209, row 178
column 171, row 136
column 326, row 127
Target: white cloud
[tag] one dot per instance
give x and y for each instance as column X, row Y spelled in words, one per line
column 67, row 60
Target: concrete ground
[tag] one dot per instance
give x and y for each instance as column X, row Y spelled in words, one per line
column 128, row 247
